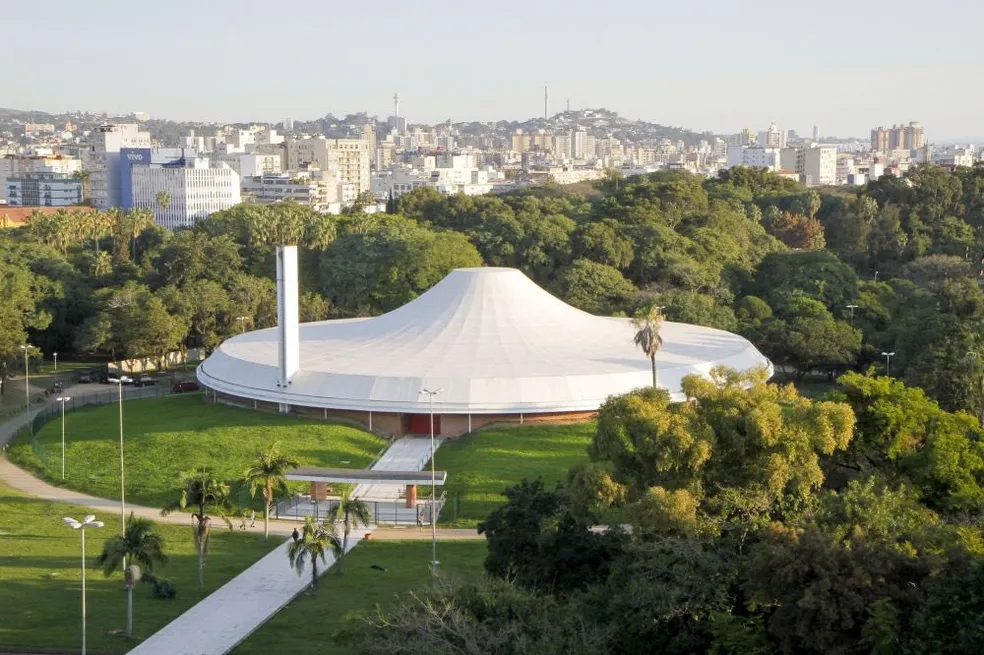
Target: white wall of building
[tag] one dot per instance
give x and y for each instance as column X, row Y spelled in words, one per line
column 195, row 191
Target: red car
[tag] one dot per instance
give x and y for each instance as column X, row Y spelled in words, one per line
column 187, row 385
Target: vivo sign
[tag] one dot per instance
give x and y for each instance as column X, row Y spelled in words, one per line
column 134, row 156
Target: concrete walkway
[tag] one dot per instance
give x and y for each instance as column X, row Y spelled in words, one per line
column 215, row 625
column 406, row 454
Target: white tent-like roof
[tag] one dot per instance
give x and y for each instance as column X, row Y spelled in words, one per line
column 490, row 338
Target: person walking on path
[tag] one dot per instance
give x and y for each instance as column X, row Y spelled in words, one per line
column 420, row 517
column 252, row 518
column 295, row 534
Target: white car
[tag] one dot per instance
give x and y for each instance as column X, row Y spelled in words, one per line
column 123, row 379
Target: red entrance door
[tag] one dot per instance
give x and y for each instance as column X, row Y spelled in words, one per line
column 420, row 424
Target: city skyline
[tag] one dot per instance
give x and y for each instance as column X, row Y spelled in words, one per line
column 717, row 68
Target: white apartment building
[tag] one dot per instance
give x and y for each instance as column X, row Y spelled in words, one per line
column 399, row 180
column 18, row 165
column 43, row 189
column 755, row 157
column 351, row 157
column 101, row 160
column 817, row 166
column 316, row 189
column 195, row 190
column 251, row 164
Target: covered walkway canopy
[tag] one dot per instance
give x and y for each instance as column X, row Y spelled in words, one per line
column 360, row 476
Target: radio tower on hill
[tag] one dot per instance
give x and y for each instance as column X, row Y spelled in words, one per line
column 396, row 105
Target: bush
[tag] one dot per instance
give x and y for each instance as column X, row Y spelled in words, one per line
column 163, row 589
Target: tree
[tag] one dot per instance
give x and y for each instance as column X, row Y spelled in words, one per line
column 314, row 543
column 647, row 337
column 352, row 513
column 269, row 474
column 595, row 288
column 536, row 540
column 141, row 547
column 163, row 200
column 738, row 445
column 205, row 495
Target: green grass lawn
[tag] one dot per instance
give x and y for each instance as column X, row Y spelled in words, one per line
column 481, row 465
column 40, row 577
column 164, row 437
column 308, row 623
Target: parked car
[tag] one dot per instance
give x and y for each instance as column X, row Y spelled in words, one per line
column 123, row 379
column 85, row 377
column 57, row 387
column 145, row 381
column 187, row 385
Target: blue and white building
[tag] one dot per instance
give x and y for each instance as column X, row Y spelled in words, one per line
column 193, row 187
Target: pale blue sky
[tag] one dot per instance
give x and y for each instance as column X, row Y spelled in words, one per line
column 715, row 65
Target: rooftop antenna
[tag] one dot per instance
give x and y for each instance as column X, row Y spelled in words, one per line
column 568, row 105
column 544, row 101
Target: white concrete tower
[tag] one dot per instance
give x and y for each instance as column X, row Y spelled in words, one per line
column 288, row 332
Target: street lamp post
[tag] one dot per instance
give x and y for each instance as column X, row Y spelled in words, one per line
column 63, row 400
column 27, row 387
column 888, row 362
column 89, row 522
column 433, row 510
column 242, row 323
column 56, row 361
column 852, row 308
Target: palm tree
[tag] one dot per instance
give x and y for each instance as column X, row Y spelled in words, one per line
column 139, row 545
column 163, row 199
column 647, row 325
column 315, row 541
column 352, row 513
column 84, row 177
column 269, row 473
column 204, row 493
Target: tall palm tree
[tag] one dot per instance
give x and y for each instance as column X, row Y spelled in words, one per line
column 647, row 325
column 314, row 543
column 202, row 492
column 352, row 513
column 163, row 200
column 269, row 474
column 140, row 546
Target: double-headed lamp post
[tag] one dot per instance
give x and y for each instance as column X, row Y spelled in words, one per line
column 56, row 362
column 63, row 400
column 242, row 323
column 89, row 522
column 433, row 509
column 888, row 362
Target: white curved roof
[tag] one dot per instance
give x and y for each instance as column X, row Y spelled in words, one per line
column 490, row 338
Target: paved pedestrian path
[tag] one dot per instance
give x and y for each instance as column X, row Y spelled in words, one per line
column 215, row 625
column 406, row 454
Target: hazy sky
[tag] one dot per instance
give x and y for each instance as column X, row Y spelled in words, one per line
column 845, row 65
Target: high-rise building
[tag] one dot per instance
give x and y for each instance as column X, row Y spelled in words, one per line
column 101, row 160
column 898, row 137
column 773, row 137
column 194, row 188
column 579, row 143
column 817, row 166
column 18, row 165
column 519, row 142
column 43, row 189
column 350, row 156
